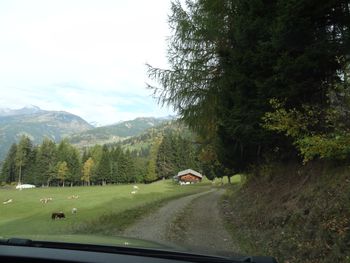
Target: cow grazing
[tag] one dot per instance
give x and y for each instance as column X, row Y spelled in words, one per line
column 74, row 210
column 58, row 215
column 135, row 187
column 133, row 192
column 7, row 201
column 45, row 200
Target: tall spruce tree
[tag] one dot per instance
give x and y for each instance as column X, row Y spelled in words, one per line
column 8, row 169
column 229, row 58
column 69, row 154
column 22, row 158
column 104, row 167
column 46, row 161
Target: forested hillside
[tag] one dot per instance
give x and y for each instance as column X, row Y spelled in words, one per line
column 165, row 150
column 116, row 132
column 265, row 84
column 159, row 153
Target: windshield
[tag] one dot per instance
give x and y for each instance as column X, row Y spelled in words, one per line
column 212, row 127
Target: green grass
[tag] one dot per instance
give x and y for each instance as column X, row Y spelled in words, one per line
column 26, row 215
column 236, row 179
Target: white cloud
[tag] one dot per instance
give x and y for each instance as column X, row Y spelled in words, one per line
column 86, row 57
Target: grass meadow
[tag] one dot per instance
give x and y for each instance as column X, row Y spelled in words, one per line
column 101, row 210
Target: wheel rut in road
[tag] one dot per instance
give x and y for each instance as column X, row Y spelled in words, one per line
column 192, row 223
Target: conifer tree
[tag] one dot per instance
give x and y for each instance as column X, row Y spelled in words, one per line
column 8, row 169
column 23, row 152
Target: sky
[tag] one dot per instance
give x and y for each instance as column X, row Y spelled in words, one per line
column 84, row 57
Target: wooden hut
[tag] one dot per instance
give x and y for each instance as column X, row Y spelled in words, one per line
column 188, row 176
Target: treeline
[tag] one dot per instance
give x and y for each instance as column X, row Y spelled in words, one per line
column 51, row 164
column 170, row 154
column 62, row 164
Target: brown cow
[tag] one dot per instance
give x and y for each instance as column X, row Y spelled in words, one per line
column 58, row 215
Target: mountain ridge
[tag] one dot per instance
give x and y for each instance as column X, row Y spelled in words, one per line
column 116, row 132
column 38, row 124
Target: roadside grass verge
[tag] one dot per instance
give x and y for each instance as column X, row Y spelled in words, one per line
column 296, row 214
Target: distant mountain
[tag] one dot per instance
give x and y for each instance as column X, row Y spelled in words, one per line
column 116, row 132
column 37, row 124
column 30, row 109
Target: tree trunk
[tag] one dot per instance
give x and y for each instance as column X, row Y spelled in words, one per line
column 63, row 184
column 229, row 179
column 20, row 175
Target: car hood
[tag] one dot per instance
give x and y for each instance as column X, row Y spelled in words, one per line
column 96, row 240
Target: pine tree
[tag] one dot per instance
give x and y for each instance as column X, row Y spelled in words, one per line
column 116, row 168
column 46, row 161
column 67, row 153
column 95, row 152
column 130, row 168
column 104, row 167
column 8, row 169
column 23, row 152
column 229, row 58
column 30, row 169
column 152, row 164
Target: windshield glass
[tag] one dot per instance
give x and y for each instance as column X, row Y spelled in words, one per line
column 213, row 127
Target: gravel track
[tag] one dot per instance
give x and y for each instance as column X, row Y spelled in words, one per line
column 192, row 223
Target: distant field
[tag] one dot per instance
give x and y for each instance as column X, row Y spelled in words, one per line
column 26, row 215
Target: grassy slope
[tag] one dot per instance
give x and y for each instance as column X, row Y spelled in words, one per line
column 147, row 138
column 27, row 216
column 297, row 214
column 116, row 132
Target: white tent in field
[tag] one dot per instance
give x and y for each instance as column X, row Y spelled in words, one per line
column 25, row 186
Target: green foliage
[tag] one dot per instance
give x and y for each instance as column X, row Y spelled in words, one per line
column 144, row 158
column 87, row 170
column 69, row 154
column 329, row 147
column 8, row 170
column 46, row 161
column 228, row 59
column 104, row 166
column 316, row 133
column 151, row 175
column 62, row 171
column 23, row 154
column 175, row 154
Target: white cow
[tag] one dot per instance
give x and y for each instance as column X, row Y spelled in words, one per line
column 74, row 210
column 7, row 201
column 135, row 187
column 45, row 200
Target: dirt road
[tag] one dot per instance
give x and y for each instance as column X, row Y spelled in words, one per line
column 192, row 223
